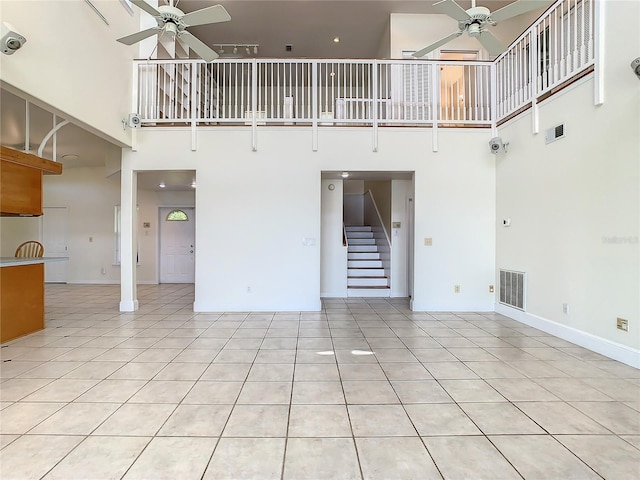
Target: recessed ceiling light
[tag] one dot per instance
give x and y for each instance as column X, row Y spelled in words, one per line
column 336, row 39
column 345, row 175
column 162, row 185
column 70, row 156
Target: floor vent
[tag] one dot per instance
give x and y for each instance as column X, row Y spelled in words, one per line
column 512, row 289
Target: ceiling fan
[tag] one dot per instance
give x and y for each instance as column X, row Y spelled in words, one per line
column 175, row 22
column 476, row 21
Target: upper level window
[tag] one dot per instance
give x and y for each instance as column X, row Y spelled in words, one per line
column 177, row 216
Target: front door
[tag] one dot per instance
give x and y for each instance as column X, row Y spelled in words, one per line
column 177, row 245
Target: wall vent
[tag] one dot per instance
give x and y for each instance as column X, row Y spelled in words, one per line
column 554, row 133
column 512, row 289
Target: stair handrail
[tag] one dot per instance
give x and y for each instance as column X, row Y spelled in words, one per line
column 379, row 216
column 345, row 240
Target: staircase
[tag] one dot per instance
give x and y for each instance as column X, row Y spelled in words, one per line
column 365, row 275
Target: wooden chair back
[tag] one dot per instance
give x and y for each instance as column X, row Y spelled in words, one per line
column 30, row 249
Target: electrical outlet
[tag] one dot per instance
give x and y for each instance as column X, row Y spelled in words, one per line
column 456, row 289
column 491, row 288
column 622, row 324
column 428, row 242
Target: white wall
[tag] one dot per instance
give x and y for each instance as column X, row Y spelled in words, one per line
column 333, row 255
column 83, row 74
column 353, row 202
column 16, row 230
column 575, row 203
column 412, row 32
column 260, row 206
column 401, row 190
column 91, row 199
column 384, row 48
column 381, row 191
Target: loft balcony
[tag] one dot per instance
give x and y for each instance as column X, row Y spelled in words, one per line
column 557, row 49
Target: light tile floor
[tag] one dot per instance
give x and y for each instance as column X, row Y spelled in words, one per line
column 365, row 389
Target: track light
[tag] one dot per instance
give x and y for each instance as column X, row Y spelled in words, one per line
column 236, row 48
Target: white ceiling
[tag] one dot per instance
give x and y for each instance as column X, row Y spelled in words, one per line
column 310, row 25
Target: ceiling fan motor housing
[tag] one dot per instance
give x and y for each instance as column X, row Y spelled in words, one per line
column 478, row 16
column 172, row 18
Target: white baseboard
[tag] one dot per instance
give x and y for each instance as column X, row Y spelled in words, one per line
column 333, row 294
column 129, row 306
column 212, row 307
column 106, row 282
column 94, row 282
column 419, row 306
column 613, row 350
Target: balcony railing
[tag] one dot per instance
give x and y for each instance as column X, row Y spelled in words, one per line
column 331, row 92
column 557, row 47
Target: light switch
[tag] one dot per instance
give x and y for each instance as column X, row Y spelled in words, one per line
column 395, row 224
column 428, row 242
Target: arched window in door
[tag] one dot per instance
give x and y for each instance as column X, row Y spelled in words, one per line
column 177, row 216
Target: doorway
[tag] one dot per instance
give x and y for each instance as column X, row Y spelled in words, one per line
column 177, row 238
column 342, row 205
column 54, row 238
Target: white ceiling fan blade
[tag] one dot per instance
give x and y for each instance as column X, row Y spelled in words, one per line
column 214, row 14
column 517, row 8
column 136, row 37
column 433, row 46
column 203, row 51
column 494, row 46
column 451, row 8
column 146, row 7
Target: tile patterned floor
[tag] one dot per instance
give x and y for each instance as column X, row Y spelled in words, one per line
column 365, row 389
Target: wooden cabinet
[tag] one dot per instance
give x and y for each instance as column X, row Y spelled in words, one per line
column 22, row 306
column 21, row 182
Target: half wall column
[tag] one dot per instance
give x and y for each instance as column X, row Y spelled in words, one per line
column 128, row 234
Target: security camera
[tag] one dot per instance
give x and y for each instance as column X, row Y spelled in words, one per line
column 11, row 40
column 635, row 66
column 134, row 120
column 496, row 145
